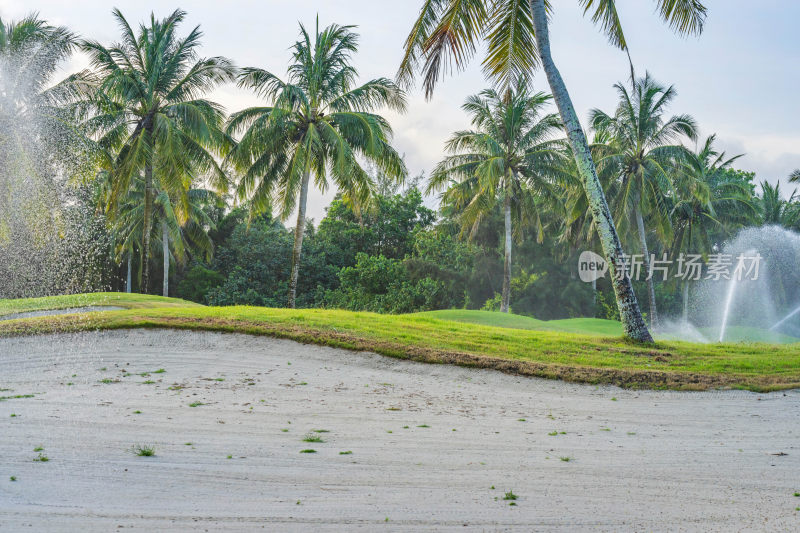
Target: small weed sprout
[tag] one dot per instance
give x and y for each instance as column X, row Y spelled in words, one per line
column 310, row 437
column 143, row 450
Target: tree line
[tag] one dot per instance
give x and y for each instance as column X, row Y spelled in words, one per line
column 173, row 177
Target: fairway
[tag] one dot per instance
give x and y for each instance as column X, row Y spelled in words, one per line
column 586, row 326
column 582, row 357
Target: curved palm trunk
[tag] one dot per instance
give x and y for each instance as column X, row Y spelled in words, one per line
column 651, row 289
column 165, row 251
column 298, row 239
column 146, row 227
column 128, row 277
column 507, row 255
column 630, row 315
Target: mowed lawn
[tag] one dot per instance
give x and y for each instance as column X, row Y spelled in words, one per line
column 599, row 356
column 589, row 326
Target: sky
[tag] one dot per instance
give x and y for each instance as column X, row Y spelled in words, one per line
column 739, row 79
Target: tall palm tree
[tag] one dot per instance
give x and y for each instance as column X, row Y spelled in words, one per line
column 642, row 148
column 317, row 122
column 706, row 207
column 510, row 157
column 148, row 107
column 517, row 39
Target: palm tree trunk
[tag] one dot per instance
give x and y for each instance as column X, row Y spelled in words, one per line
column 128, row 278
column 686, row 301
column 651, row 289
column 630, row 315
column 146, row 227
column 165, row 251
column 507, row 255
column 298, row 239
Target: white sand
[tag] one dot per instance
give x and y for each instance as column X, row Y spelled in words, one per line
column 69, row 311
column 647, row 461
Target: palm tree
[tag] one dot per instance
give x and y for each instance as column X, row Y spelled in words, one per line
column 707, row 207
column 510, row 157
column 30, row 54
column 517, row 39
column 149, row 109
column 179, row 224
column 35, row 134
column 777, row 210
column 639, row 155
column 318, row 122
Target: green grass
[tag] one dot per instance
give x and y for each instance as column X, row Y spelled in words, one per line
column 591, row 326
column 588, row 326
column 117, row 299
column 143, row 450
column 590, row 358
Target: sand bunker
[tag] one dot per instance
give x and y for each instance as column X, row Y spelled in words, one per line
column 69, row 311
column 433, row 447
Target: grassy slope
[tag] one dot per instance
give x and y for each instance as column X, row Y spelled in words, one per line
column 554, row 354
column 118, row 299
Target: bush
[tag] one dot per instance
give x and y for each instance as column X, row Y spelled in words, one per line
column 197, row 282
column 382, row 285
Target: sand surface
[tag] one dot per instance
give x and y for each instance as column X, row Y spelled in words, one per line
column 639, row 461
column 69, row 311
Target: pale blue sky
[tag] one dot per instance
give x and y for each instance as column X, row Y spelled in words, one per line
column 740, row 79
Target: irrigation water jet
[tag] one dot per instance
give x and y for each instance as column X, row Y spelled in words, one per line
column 741, row 306
column 784, row 319
column 732, row 284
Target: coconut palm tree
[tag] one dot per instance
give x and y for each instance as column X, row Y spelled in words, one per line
column 775, row 209
column 517, row 40
column 180, row 224
column 642, row 148
column 706, row 207
column 318, row 123
column 35, row 133
column 31, row 52
column 510, row 158
column 148, row 108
